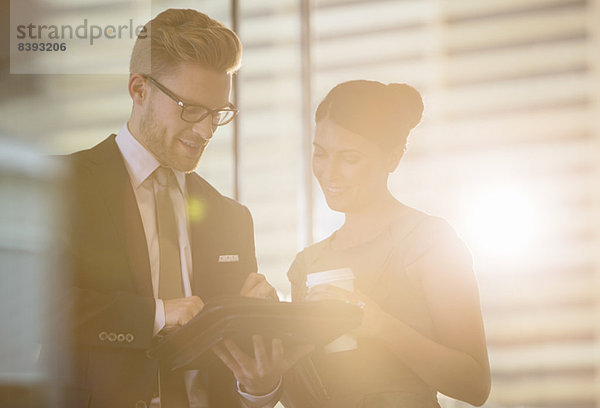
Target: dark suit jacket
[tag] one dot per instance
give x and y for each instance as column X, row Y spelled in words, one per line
column 112, row 289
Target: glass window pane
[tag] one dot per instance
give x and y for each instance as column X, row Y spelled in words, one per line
column 270, row 104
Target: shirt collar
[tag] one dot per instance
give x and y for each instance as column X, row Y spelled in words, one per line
column 139, row 161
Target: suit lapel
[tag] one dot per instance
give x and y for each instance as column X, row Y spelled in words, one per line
column 113, row 179
column 201, row 216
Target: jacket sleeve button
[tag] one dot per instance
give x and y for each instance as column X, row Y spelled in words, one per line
column 112, row 337
column 129, row 337
column 103, row 336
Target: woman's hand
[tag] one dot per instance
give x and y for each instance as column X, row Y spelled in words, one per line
column 374, row 316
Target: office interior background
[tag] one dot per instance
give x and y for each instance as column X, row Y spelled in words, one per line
column 507, row 150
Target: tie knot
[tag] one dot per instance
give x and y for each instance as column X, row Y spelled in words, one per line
column 162, row 175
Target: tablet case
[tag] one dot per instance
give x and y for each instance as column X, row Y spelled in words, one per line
column 238, row 318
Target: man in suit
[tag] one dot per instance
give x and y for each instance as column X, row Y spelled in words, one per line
column 152, row 242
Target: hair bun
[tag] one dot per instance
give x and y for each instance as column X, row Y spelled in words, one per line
column 407, row 103
column 383, row 113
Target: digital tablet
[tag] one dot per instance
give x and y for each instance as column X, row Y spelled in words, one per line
column 239, row 318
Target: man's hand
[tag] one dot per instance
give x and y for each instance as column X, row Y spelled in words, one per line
column 181, row 310
column 259, row 375
column 256, row 285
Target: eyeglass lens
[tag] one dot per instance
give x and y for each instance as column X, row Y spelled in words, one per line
column 198, row 113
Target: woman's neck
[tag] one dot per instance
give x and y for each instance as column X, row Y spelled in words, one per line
column 367, row 223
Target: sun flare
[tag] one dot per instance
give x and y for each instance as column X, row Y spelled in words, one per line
column 502, row 221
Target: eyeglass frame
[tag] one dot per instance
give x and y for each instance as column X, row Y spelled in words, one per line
column 229, row 107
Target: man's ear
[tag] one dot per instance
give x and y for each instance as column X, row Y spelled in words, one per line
column 138, row 89
column 393, row 158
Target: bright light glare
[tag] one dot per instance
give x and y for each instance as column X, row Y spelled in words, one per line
column 502, row 221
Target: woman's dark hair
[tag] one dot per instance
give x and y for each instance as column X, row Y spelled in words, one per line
column 383, row 113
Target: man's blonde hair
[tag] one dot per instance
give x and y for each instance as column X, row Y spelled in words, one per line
column 178, row 36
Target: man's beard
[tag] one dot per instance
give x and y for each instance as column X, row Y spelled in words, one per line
column 153, row 135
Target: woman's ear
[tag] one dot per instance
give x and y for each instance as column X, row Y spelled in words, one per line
column 393, row 158
column 138, row 89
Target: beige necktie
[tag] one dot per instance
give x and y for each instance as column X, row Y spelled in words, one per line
column 170, row 283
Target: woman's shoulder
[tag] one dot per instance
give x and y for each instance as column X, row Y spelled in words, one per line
column 310, row 252
column 306, row 257
column 411, row 222
column 417, row 232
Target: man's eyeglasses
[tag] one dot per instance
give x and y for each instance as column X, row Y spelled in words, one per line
column 196, row 113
